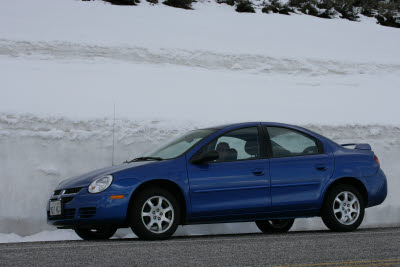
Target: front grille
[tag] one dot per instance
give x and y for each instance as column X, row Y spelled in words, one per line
column 87, row 212
column 67, row 214
column 72, row 190
column 67, row 191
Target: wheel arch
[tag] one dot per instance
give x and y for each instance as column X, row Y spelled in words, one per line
column 359, row 185
column 168, row 185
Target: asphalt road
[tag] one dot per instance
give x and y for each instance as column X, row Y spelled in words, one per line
column 365, row 247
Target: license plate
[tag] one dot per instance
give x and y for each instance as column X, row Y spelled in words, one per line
column 55, row 208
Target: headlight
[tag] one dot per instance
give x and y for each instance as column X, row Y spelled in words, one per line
column 100, row 184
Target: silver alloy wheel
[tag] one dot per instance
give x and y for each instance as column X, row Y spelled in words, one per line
column 346, row 208
column 157, row 214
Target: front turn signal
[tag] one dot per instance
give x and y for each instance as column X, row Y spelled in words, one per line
column 117, row 196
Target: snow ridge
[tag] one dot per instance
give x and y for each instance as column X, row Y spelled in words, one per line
column 253, row 63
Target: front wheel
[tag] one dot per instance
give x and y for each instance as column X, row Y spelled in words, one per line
column 275, row 225
column 343, row 209
column 155, row 214
column 99, row 233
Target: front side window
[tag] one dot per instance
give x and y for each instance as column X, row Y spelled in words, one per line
column 180, row 145
column 289, row 143
column 241, row 144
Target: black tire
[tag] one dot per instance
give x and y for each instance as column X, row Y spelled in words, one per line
column 333, row 221
column 136, row 222
column 99, row 233
column 275, row 225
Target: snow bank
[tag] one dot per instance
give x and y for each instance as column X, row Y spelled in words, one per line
column 38, row 152
column 57, row 235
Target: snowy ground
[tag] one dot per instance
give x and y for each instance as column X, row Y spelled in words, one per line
column 64, row 63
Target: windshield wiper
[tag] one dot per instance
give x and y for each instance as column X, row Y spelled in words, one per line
column 144, row 159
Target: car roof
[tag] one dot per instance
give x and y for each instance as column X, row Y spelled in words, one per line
column 277, row 124
column 244, row 124
column 220, row 127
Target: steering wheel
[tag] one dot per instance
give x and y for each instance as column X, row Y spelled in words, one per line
column 310, row 150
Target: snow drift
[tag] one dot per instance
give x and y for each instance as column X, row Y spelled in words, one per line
column 38, row 152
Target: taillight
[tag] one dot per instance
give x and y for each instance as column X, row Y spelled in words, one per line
column 377, row 160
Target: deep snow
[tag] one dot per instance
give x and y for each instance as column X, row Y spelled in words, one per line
column 38, row 152
column 63, row 64
column 210, row 27
column 159, row 62
column 81, row 89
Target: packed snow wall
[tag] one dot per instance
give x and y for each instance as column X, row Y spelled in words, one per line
column 36, row 153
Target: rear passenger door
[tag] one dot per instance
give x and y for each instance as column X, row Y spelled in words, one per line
column 299, row 167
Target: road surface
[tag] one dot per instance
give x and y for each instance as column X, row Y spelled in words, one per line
column 365, row 247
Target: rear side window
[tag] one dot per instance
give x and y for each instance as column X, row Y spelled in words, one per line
column 290, row 143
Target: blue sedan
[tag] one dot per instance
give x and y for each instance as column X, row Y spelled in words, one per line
column 269, row 173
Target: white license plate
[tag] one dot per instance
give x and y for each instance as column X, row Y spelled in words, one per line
column 55, row 208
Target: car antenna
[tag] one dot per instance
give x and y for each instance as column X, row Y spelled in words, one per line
column 113, row 139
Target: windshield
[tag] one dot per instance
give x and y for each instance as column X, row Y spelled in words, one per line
column 180, row 145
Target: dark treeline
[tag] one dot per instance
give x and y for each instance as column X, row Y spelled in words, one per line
column 386, row 12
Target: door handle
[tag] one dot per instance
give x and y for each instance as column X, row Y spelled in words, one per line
column 321, row 167
column 258, row 172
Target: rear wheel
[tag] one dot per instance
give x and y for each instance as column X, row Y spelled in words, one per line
column 155, row 214
column 99, row 233
column 343, row 209
column 275, row 225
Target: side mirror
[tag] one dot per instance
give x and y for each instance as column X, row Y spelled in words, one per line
column 205, row 157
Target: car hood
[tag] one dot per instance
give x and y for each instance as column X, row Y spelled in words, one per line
column 87, row 178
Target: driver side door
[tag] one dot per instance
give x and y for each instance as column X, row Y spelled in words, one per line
column 234, row 185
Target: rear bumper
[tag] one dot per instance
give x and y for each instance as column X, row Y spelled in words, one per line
column 87, row 209
column 377, row 188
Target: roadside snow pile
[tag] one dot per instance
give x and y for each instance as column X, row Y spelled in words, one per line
column 38, row 152
column 57, row 235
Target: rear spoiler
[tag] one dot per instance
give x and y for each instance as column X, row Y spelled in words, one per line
column 359, row 146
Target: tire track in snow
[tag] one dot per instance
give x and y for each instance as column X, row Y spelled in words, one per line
column 259, row 64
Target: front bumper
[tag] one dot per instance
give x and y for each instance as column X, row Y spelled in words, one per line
column 85, row 209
